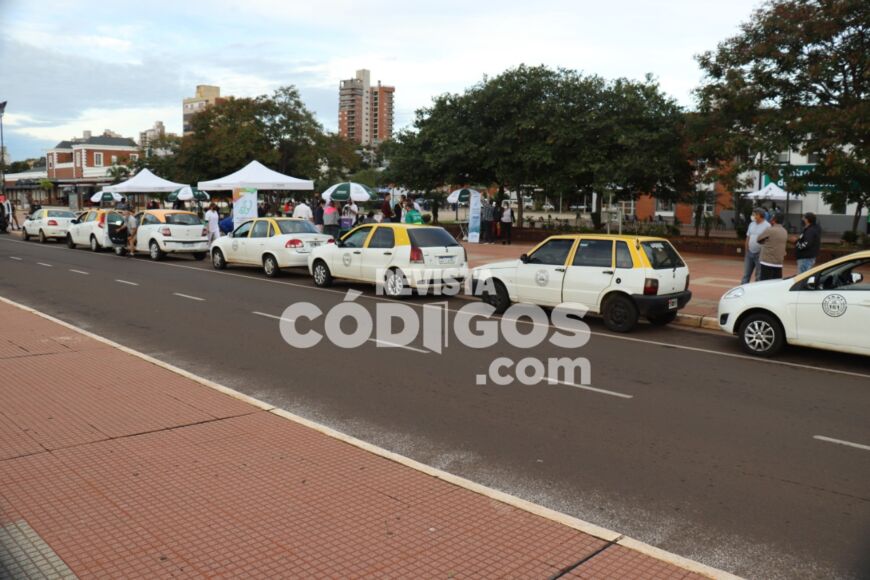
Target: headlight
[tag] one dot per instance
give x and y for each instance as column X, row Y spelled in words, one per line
column 735, row 293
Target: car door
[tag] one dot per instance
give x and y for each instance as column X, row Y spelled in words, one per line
column 378, row 254
column 833, row 307
column 148, row 224
column 79, row 231
column 591, row 272
column 539, row 279
column 347, row 261
column 239, row 244
column 257, row 242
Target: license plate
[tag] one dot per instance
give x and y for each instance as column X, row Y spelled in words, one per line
column 314, row 244
column 445, row 259
column 672, row 303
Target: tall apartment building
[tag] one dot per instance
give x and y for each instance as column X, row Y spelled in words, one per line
column 148, row 136
column 206, row 95
column 365, row 113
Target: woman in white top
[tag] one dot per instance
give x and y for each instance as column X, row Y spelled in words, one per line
column 507, row 222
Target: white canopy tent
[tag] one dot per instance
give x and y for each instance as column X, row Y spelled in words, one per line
column 257, row 176
column 144, row 182
column 772, row 192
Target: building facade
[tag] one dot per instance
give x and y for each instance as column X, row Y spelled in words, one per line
column 149, row 136
column 365, row 112
column 206, row 96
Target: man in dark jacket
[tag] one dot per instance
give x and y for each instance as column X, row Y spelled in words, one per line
column 808, row 244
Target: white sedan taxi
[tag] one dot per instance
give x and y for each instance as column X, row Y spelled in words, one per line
column 164, row 231
column 48, row 223
column 271, row 243
column 401, row 257
column 827, row 307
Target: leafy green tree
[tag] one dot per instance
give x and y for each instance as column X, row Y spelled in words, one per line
column 118, row 173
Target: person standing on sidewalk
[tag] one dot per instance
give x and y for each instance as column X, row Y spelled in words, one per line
column 213, row 218
column 485, row 220
column 507, row 222
column 331, row 216
column 318, row 215
column 808, row 244
column 11, row 219
column 773, row 242
column 752, row 248
column 302, row 211
column 387, row 209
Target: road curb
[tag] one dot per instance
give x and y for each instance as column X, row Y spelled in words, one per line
column 706, row 322
column 494, row 494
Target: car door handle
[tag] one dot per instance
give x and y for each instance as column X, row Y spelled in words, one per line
column 607, row 272
column 388, row 253
column 560, row 269
column 358, row 252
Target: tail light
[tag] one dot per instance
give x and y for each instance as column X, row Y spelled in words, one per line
column 166, row 231
column 330, row 241
column 52, row 222
column 294, row 243
column 102, row 221
column 650, row 287
column 687, row 281
column 416, row 255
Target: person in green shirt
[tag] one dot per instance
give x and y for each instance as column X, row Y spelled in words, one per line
column 411, row 215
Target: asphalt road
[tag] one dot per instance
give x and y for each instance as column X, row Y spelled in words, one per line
column 682, row 442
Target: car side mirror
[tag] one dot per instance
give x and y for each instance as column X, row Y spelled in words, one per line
column 524, row 258
column 811, row 283
column 75, row 221
column 857, row 277
column 339, row 243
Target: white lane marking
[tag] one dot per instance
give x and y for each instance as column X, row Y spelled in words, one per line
column 44, row 264
column 127, row 282
column 746, row 357
column 15, row 258
column 78, row 271
column 588, row 388
column 374, row 340
column 189, row 297
column 842, row 442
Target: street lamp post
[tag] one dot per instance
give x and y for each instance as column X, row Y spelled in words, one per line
column 2, row 152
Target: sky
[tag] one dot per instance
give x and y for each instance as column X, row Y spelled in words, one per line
column 67, row 67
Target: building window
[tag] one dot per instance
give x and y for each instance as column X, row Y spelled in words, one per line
column 78, row 158
column 134, row 157
column 814, row 158
column 98, row 159
column 784, row 157
column 664, row 205
column 114, row 159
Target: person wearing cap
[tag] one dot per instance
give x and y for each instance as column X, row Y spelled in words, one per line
column 752, row 248
column 773, row 242
column 808, row 244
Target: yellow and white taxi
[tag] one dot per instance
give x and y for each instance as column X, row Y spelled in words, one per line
column 619, row 277
column 827, row 307
column 48, row 223
column 91, row 228
column 167, row 231
column 271, row 243
column 401, row 257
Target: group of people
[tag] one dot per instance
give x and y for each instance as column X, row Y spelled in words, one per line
column 496, row 221
column 405, row 210
column 8, row 219
column 767, row 244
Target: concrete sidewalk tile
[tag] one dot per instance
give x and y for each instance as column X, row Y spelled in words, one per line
column 620, row 563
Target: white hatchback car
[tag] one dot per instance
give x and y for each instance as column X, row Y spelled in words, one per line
column 620, row 277
column 826, row 307
column 272, row 243
column 402, row 257
column 48, row 223
column 91, row 228
column 169, row 231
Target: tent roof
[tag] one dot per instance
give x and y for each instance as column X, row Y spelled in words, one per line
column 257, row 176
column 144, row 182
column 772, row 192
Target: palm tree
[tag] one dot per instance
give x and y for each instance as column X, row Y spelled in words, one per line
column 118, row 173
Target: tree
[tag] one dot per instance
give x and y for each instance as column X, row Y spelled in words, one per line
column 796, row 76
column 118, row 173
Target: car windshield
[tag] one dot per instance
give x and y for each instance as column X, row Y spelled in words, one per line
column 431, row 238
column 662, row 255
column 58, row 213
column 296, row 227
column 183, row 219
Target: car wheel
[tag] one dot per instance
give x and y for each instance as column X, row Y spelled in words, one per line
column 25, row 234
column 199, row 255
column 218, row 260
column 270, row 266
column 761, row 334
column 662, row 319
column 95, row 246
column 620, row 313
column 42, row 238
column 70, row 243
column 154, row 251
column 498, row 297
column 322, row 275
column 395, row 284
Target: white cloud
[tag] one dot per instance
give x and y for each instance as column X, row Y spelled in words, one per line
column 126, row 121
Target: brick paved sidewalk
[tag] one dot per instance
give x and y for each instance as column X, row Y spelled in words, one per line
column 112, row 466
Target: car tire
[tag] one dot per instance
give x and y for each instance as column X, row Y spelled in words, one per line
column 70, row 243
column 498, row 299
column 271, row 267
column 395, row 284
column 761, row 334
column 25, row 235
column 42, row 238
column 154, row 251
column 217, row 260
column 94, row 244
column 200, row 256
column 662, row 319
column 322, row 275
column 620, row 313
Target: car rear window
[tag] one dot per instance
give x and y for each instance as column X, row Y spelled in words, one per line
column 59, row 213
column 296, row 227
column 662, row 255
column 183, row 219
column 431, row 238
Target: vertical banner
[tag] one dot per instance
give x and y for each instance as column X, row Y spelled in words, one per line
column 244, row 205
column 474, row 217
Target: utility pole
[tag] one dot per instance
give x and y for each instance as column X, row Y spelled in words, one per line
column 2, row 152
